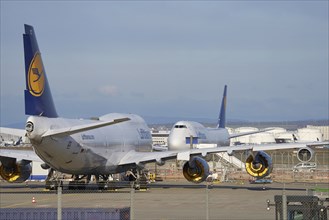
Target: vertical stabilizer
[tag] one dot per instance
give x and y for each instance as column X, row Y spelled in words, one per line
column 38, row 99
column 222, row 113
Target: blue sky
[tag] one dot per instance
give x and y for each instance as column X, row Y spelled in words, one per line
column 172, row 59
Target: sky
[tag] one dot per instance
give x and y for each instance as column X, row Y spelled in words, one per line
column 171, row 58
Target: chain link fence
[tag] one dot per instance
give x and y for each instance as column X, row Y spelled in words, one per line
column 291, row 195
column 169, row 201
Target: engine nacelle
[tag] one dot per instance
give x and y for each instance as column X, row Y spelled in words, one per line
column 305, row 154
column 16, row 173
column 196, row 170
column 45, row 166
column 260, row 165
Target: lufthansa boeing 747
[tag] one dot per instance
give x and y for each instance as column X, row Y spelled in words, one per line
column 109, row 144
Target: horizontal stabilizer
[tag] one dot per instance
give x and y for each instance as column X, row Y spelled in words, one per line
column 79, row 128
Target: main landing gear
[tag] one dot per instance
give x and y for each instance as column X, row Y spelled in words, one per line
column 53, row 180
column 81, row 182
column 137, row 179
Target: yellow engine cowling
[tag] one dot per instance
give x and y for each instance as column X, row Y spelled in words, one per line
column 16, row 173
column 260, row 165
column 196, row 170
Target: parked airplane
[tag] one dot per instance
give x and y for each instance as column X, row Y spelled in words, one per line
column 15, row 139
column 112, row 143
column 186, row 135
column 190, row 134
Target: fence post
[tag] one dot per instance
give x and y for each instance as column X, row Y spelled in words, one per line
column 132, row 192
column 59, row 202
column 284, row 203
column 207, row 201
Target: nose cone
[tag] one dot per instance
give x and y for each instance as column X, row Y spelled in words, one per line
column 176, row 142
column 177, row 138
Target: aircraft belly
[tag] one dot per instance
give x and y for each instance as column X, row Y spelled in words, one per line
column 70, row 160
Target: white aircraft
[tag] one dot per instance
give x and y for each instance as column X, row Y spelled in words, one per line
column 186, row 135
column 110, row 144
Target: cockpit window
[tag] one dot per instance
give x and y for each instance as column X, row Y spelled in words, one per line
column 180, row 126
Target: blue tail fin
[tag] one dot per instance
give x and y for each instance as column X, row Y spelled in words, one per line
column 222, row 113
column 38, row 99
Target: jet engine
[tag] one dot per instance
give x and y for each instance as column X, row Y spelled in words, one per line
column 305, row 154
column 16, row 172
column 260, row 165
column 196, row 170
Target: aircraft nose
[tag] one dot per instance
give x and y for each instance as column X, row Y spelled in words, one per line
column 176, row 141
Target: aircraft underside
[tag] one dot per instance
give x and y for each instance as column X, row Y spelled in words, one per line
column 133, row 177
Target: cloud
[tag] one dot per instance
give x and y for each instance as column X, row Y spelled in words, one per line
column 109, row 90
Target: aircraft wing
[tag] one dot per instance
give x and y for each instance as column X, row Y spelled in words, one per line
column 134, row 157
column 262, row 147
column 20, row 154
column 79, row 128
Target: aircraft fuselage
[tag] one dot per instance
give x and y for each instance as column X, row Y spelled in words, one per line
column 185, row 132
column 95, row 151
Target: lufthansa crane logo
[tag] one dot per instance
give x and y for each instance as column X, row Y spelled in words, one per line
column 36, row 77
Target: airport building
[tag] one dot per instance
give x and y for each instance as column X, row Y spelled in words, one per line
column 323, row 129
column 160, row 137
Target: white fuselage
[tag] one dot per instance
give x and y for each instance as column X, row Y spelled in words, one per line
column 96, row 151
column 185, row 132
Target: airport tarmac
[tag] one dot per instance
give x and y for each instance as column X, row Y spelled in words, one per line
column 173, row 200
